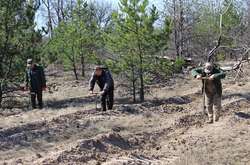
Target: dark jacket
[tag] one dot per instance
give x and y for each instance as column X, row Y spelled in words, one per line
column 215, row 84
column 35, row 78
column 105, row 81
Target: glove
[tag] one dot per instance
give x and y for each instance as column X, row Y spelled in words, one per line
column 211, row 77
column 199, row 77
column 102, row 93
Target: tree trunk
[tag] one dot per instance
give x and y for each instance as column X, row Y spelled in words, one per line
column 1, row 77
column 178, row 26
column 73, row 60
column 62, row 10
column 133, row 84
column 50, row 24
column 75, row 71
column 83, row 65
column 176, row 30
column 177, row 46
column 181, row 24
column 1, row 95
column 141, row 77
column 142, row 85
column 141, row 72
column 58, row 11
column 134, row 92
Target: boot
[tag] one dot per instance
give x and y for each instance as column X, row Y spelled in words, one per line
column 216, row 118
column 210, row 120
column 104, row 108
column 110, row 105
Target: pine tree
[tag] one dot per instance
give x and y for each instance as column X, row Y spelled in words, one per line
column 18, row 39
column 136, row 40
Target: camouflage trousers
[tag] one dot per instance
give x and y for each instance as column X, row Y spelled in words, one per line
column 213, row 103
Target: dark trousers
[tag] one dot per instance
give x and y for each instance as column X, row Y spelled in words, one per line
column 38, row 95
column 107, row 100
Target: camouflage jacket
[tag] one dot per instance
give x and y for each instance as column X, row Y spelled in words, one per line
column 214, row 86
column 35, row 78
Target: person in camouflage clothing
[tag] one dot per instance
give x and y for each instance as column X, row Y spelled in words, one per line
column 35, row 82
column 211, row 77
column 104, row 80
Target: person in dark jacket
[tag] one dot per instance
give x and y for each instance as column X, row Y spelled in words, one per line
column 104, row 80
column 35, row 82
column 211, row 79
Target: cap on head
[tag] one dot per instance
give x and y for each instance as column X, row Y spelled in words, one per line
column 99, row 67
column 29, row 62
column 99, row 70
column 208, row 67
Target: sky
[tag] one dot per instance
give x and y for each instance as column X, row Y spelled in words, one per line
column 41, row 21
column 157, row 3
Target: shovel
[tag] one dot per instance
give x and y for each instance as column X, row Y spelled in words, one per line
column 29, row 94
column 97, row 101
column 204, row 95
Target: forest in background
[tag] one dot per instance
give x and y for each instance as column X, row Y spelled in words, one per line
column 137, row 41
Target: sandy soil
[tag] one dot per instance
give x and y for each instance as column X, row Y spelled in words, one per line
column 169, row 128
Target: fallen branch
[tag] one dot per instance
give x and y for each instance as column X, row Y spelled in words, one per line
column 244, row 59
column 238, row 72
